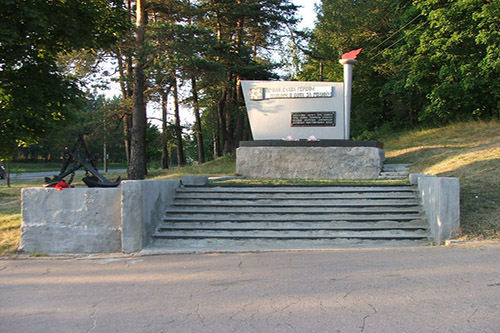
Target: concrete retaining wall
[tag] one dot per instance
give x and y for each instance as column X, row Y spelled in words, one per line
column 93, row 220
column 76, row 220
column 441, row 202
column 143, row 205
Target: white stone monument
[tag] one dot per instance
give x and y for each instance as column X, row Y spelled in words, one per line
column 278, row 109
column 302, row 130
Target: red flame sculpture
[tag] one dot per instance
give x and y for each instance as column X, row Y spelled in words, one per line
column 351, row 54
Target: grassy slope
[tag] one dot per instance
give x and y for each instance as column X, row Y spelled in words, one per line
column 10, row 215
column 469, row 151
column 219, row 167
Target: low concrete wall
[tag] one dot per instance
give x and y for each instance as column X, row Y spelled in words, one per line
column 441, row 201
column 310, row 162
column 77, row 220
column 143, row 205
column 94, row 220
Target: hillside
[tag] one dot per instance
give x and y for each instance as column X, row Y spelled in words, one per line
column 469, row 151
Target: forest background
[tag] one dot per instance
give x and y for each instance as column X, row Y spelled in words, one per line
column 424, row 63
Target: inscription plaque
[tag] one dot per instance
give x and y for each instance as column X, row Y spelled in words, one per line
column 311, row 119
column 259, row 94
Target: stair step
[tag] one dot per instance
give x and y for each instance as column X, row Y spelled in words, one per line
column 295, row 196
column 296, row 218
column 295, row 234
column 187, row 245
column 182, row 203
column 297, row 189
column 394, row 173
column 297, row 210
column 396, row 167
column 382, row 177
column 384, row 225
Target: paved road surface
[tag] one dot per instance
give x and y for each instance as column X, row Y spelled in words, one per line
column 435, row 289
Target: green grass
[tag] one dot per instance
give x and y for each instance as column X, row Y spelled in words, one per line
column 469, row 151
column 221, row 166
column 10, row 222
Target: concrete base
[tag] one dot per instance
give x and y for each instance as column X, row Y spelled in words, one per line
column 441, row 201
column 93, row 220
column 310, row 161
column 76, row 220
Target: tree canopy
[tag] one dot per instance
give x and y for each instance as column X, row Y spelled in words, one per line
column 34, row 93
column 424, row 61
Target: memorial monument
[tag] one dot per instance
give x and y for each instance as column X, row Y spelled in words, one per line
column 302, row 130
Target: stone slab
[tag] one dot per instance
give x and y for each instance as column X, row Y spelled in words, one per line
column 74, row 220
column 305, row 143
column 310, row 162
column 194, row 180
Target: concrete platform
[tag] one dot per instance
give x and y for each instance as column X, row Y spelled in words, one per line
column 328, row 159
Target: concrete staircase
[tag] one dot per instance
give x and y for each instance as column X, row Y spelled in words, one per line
column 395, row 171
column 206, row 218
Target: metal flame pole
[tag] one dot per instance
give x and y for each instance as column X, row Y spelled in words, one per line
column 347, row 63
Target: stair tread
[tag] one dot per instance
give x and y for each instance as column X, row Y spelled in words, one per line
column 293, row 209
column 297, row 189
column 296, row 196
column 261, row 219
column 300, row 224
column 287, row 228
column 294, row 203
column 295, row 235
column 184, row 245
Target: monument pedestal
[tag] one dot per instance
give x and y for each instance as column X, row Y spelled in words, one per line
column 326, row 159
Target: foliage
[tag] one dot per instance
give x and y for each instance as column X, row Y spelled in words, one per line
column 34, row 93
column 456, row 60
column 98, row 117
column 424, row 62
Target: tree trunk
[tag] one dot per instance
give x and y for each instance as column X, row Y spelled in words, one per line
column 7, row 172
column 198, row 129
column 126, row 75
column 127, row 93
column 164, row 136
column 181, row 161
column 321, row 70
column 137, row 166
column 223, row 115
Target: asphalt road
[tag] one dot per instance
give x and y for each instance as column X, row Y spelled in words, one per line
column 433, row 289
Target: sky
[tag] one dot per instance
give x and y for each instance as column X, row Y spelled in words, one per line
column 306, row 12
